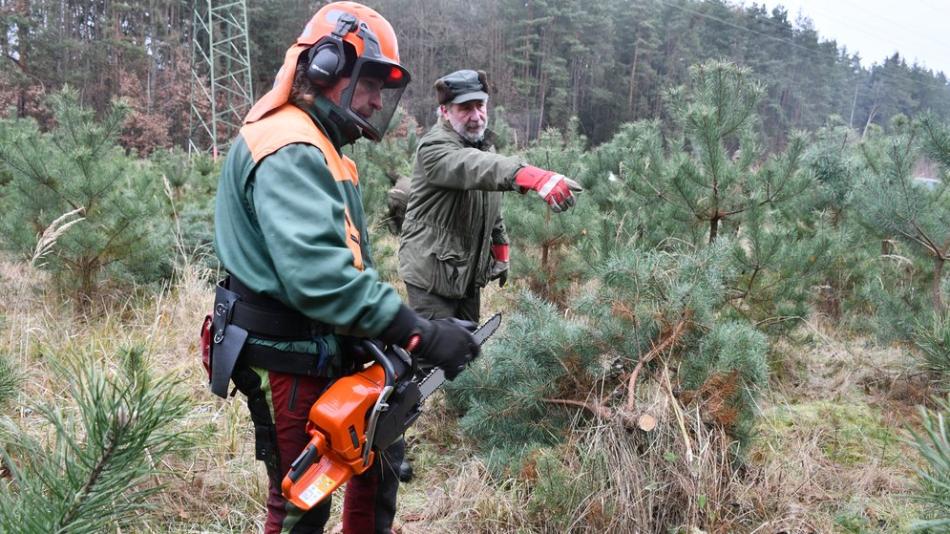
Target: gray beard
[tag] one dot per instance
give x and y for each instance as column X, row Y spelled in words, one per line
column 473, row 138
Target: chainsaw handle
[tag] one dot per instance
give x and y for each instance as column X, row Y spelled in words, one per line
column 389, row 384
column 388, row 370
column 303, row 462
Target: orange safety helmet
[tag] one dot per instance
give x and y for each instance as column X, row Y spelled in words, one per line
column 345, row 39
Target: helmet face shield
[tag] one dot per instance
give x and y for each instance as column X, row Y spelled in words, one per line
column 373, row 94
column 365, row 36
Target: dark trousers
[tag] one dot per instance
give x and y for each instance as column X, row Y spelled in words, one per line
column 280, row 404
column 432, row 306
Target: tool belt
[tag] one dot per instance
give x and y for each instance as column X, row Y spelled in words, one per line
column 239, row 313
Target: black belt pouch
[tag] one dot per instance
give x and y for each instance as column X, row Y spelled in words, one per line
column 227, row 340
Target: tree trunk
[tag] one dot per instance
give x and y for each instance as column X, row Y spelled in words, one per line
column 854, row 103
column 22, row 8
column 633, row 79
column 867, row 125
column 713, row 228
column 543, row 83
column 935, row 285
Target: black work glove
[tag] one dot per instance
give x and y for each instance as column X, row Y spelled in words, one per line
column 499, row 263
column 445, row 343
column 499, row 271
column 448, row 344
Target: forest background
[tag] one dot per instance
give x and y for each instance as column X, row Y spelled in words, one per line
column 606, row 63
column 742, row 327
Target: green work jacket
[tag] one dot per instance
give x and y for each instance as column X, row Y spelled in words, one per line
column 289, row 228
column 454, row 212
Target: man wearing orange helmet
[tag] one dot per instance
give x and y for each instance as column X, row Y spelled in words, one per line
column 291, row 232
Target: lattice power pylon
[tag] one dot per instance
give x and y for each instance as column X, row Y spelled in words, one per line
column 221, row 93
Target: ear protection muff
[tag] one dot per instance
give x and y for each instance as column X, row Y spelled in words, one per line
column 327, row 58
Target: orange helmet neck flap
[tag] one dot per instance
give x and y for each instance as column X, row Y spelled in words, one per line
column 346, row 42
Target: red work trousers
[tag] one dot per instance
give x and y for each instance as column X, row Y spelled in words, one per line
column 279, row 404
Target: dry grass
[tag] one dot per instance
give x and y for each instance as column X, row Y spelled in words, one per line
column 219, row 487
column 828, row 454
column 57, row 228
column 469, row 500
column 812, row 461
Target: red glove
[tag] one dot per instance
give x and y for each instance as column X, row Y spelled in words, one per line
column 499, row 266
column 554, row 188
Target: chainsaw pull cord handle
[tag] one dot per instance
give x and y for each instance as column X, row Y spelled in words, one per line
column 381, row 406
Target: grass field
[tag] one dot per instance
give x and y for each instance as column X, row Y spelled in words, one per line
column 830, row 453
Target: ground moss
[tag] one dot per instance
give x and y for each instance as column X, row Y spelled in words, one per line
column 852, row 434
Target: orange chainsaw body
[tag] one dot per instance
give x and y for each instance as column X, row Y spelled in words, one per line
column 337, row 428
column 368, row 409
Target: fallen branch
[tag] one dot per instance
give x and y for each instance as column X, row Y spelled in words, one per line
column 644, row 421
column 597, row 409
column 667, row 342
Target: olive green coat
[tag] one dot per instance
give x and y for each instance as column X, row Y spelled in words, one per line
column 454, row 212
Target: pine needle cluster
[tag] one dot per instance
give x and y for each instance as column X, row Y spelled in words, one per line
column 94, row 468
column 933, row 444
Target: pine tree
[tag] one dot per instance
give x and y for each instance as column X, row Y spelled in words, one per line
column 642, row 307
column 714, row 175
column 190, row 182
column 77, row 167
column 893, row 205
column 95, row 471
column 708, row 178
column 853, row 254
column 545, row 249
column 933, row 445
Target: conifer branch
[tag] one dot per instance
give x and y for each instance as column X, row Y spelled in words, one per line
column 659, row 193
column 667, row 341
column 930, row 244
column 920, row 239
column 37, row 175
column 755, row 272
column 104, row 459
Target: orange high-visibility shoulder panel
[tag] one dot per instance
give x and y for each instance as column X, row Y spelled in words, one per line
column 289, row 124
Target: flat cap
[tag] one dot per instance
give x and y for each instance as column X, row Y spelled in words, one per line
column 462, row 86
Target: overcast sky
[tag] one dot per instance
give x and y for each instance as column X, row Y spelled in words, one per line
column 918, row 29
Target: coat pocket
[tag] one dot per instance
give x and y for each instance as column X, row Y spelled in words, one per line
column 450, row 275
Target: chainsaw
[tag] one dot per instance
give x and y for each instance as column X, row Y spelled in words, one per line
column 359, row 415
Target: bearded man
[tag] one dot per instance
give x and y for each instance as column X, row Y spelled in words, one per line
column 453, row 238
